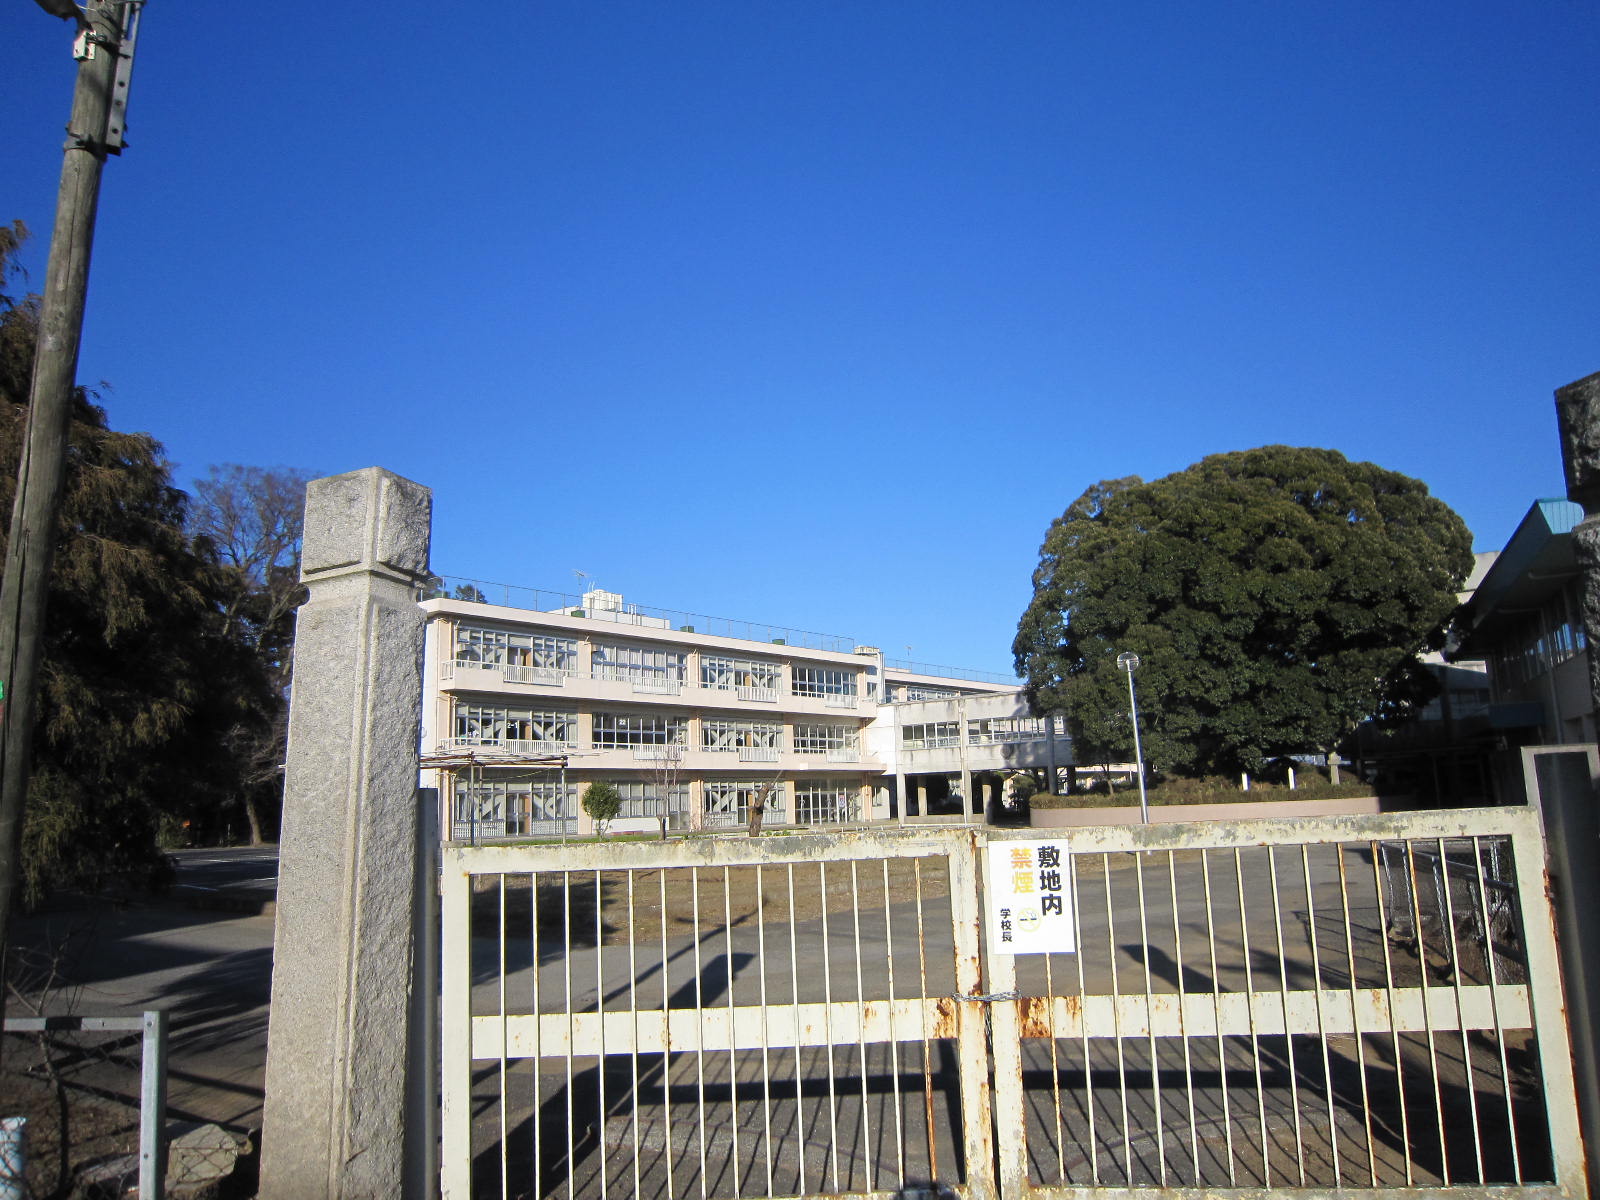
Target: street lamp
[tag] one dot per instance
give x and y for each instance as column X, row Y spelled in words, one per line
column 1129, row 662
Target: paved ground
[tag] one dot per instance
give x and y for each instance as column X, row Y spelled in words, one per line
column 204, row 953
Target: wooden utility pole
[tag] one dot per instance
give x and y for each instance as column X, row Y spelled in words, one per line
column 104, row 52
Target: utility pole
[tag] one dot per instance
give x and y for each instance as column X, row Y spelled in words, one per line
column 104, row 50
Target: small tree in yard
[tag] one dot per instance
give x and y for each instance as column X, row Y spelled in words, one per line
column 602, row 802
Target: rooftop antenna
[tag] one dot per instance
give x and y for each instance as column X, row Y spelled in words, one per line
column 583, row 575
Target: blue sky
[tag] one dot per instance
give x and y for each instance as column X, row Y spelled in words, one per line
column 818, row 313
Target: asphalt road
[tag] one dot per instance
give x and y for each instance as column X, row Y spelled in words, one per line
column 210, row 968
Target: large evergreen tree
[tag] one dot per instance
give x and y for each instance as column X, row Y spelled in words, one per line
column 138, row 685
column 1276, row 597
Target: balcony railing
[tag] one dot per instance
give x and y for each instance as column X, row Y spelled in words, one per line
column 845, row 755
column 761, row 754
column 657, row 687
column 833, row 700
column 656, row 753
column 537, row 747
column 764, row 695
column 547, row 676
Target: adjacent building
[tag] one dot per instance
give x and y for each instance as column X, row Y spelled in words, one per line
column 696, row 720
column 1525, row 621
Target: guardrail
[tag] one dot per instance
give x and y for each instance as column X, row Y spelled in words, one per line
column 152, row 1025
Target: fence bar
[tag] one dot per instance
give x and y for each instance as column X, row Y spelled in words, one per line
column 1433, row 1052
column 538, row 1047
column 766, row 1037
column 894, row 1040
column 1188, row 1063
column 827, row 999
column 1489, row 955
column 861, row 1032
column 927, row 1036
column 1322, row 1022
column 1116, row 1016
column 1361, row 1042
column 1255, row 1041
column 1150, row 1025
column 1466, row 1045
column 153, row 1105
column 1380, row 881
column 1283, row 996
column 1088, row 1066
column 1216, row 1009
column 500, row 989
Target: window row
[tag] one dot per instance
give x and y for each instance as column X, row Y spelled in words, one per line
column 499, row 648
column 982, row 731
column 482, row 725
column 520, row 808
column 1543, row 640
column 648, row 664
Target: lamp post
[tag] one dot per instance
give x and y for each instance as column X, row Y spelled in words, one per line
column 1129, row 662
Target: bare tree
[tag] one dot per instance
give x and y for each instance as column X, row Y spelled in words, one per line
column 665, row 773
column 758, row 801
column 250, row 519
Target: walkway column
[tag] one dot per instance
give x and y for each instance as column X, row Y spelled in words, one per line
column 334, row 1125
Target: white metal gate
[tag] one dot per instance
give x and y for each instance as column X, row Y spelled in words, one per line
column 1350, row 1003
column 1339, row 1003
column 714, row 1017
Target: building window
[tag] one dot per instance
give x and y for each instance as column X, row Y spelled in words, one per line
column 1540, row 642
column 731, row 674
column 996, row 731
column 935, row 735
column 817, row 739
column 731, row 736
column 489, row 808
column 729, row 803
column 651, row 800
column 618, row 730
column 821, row 803
column 497, row 647
column 514, row 728
column 921, row 691
column 823, row 681
column 638, row 664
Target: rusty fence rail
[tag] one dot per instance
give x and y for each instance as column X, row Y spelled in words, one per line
column 1309, row 1005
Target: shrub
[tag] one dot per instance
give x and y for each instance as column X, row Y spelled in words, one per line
column 602, row 802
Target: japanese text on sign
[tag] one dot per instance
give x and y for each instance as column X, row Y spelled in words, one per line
column 1029, row 898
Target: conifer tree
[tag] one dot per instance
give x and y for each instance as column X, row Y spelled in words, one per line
column 138, row 685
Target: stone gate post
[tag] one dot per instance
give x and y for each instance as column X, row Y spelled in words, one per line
column 1568, row 799
column 334, row 1123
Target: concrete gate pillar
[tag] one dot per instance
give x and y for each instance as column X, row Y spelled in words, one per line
column 1569, row 804
column 334, row 1126
column 1578, row 414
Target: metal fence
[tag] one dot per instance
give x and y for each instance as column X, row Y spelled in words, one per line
column 1350, row 1003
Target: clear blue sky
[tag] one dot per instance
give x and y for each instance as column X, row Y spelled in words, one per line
column 818, row 312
